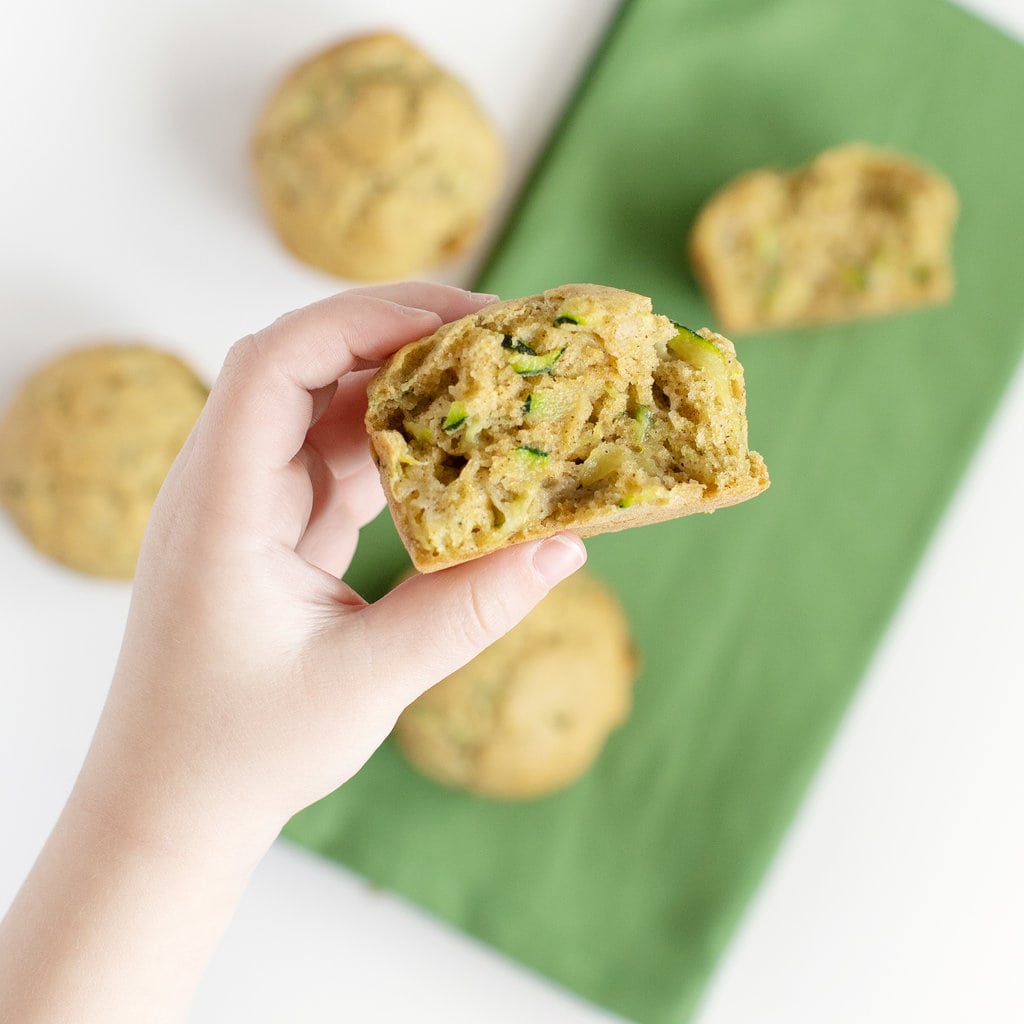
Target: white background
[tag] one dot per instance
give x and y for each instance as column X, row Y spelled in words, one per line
column 126, row 211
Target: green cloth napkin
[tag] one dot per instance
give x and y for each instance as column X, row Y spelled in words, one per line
column 755, row 624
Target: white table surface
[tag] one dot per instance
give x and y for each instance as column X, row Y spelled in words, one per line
column 126, row 210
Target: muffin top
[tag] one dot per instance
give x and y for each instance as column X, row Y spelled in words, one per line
column 372, row 162
column 85, row 446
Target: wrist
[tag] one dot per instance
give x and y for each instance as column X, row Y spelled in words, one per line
column 154, row 823
column 143, row 886
column 164, row 807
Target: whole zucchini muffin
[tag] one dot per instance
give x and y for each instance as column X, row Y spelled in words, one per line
column 577, row 409
column 372, row 162
column 859, row 231
column 531, row 713
column 85, row 446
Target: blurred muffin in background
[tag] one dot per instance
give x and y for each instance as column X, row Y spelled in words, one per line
column 860, row 231
column 86, row 444
column 531, row 713
column 373, row 163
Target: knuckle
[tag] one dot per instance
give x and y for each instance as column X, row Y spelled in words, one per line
column 240, row 354
column 256, row 356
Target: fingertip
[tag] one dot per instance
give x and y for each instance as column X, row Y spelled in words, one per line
column 448, row 302
column 558, row 557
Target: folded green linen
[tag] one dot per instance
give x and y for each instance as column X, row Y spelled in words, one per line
column 755, row 624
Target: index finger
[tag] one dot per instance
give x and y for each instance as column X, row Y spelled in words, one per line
column 261, row 405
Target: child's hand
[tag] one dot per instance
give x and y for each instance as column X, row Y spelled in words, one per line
column 252, row 681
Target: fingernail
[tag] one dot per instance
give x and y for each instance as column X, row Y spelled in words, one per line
column 483, row 296
column 558, row 557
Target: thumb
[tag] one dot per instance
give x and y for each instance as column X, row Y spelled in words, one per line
column 433, row 624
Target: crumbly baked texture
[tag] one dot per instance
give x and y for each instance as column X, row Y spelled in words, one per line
column 86, row 444
column 577, row 409
column 859, row 231
column 372, row 162
column 531, row 713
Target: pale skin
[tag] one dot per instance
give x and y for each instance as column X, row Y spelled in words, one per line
column 251, row 680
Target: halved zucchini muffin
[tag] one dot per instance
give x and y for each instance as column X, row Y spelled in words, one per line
column 578, row 409
column 859, row 231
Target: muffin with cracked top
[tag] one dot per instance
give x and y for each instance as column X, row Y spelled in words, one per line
column 372, row 162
